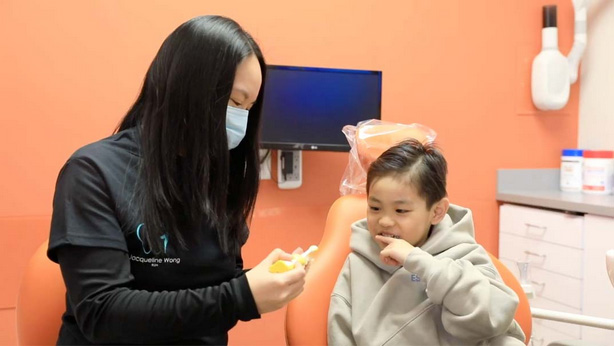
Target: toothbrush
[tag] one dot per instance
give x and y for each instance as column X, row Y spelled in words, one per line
column 281, row 266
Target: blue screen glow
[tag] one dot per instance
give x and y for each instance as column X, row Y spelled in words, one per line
column 306, row 108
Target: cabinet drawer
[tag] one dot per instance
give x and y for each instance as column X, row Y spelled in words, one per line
column 543, row 336
column 572, row 330
column 552, row 286
column 549, row 226
column 552, row 257
column 556, row 287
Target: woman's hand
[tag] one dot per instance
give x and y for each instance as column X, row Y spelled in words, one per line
column 273, row 291
column 395, row 252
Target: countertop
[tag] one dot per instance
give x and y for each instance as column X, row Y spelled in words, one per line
column 540, row 188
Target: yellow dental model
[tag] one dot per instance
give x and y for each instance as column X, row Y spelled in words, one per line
column 283, row 266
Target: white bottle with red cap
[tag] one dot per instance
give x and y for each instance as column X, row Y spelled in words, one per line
column 598, row 172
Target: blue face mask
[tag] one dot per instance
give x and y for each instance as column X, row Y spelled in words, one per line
column 236, row 125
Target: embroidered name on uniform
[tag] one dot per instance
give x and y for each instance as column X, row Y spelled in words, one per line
column 415, row 278
column 154, row 261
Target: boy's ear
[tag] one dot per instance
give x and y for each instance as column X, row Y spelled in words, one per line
column 439, row 210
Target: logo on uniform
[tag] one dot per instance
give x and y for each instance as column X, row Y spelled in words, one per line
column 153, row 261
column 138, row 235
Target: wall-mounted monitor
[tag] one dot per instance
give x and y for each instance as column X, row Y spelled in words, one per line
column 305, row 108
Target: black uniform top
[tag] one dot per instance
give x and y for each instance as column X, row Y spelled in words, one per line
column 118, row 292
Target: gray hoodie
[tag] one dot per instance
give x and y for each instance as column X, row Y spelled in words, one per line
column 447, row 292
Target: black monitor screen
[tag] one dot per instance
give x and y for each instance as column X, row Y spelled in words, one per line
column 305, row 108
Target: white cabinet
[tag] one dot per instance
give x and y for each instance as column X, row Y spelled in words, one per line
column 598, row 293
column 566, row 253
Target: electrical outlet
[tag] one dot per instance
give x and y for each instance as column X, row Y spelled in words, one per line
column 265, row 166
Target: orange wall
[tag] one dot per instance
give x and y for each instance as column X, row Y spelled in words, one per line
column 70, row 69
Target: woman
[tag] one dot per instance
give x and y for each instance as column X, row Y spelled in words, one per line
column 148, row 224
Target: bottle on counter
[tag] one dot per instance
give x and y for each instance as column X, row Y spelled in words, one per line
column 571, row 170
column 598, row 171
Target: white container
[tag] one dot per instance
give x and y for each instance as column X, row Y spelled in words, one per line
column 571, row 170
column 598, row 172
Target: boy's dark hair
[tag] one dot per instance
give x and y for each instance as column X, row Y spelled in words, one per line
column 423, row 165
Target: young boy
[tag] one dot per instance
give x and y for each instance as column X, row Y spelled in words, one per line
column 415, row 275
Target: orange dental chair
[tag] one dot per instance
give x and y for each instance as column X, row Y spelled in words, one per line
column 307, row 315
column 41, row 301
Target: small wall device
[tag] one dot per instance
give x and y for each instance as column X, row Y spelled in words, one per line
column 289, row 168
column 552, row 73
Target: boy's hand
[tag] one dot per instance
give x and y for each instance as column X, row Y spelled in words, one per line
column 395, row 252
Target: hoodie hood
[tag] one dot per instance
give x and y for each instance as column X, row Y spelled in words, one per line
column 455, row 228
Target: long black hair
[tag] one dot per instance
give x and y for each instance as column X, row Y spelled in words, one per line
column 187, row 174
